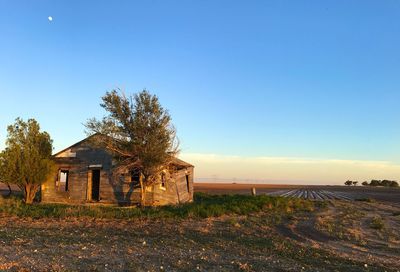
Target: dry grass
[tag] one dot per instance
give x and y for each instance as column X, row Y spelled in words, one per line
column 377, row 223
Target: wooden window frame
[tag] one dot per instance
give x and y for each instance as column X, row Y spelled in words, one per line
column 63, row 186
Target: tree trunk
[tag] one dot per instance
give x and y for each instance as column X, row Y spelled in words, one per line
column 142, row 191
column 9, row 189
column 30, row 191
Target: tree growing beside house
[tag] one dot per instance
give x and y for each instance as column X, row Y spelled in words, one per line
column 138, row 131
column 26, row 160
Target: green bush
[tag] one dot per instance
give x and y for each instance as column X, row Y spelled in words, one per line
column 385, row 183
column 204, row 206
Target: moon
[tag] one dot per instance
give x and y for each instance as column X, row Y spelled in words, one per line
column 50, row 18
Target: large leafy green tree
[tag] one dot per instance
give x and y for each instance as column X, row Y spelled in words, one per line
column 26, row 160
column 139, row 132
column 2, row 165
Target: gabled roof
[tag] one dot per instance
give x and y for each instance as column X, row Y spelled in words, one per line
column 75, row 144
column 179, row 162
column 174, row 161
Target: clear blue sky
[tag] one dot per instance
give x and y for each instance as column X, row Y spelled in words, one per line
column 310, row 79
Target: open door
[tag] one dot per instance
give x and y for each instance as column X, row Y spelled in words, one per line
column 95, row 195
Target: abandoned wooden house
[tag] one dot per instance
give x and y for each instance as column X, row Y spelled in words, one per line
column 85, row 175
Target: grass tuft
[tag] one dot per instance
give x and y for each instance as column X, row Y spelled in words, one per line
column 396, row 213
column 377, row 223
column 366, row 199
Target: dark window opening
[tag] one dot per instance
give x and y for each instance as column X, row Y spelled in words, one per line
column 63, row 180
column 187, row 183
column 135, row 177
column 163, row 180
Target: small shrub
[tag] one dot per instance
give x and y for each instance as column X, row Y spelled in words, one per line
column 366, row 199
column 377, row 223
column 233, row 222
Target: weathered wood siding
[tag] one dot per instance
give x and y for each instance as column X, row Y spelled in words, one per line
column 51, row 192
column 77, row 161
column 82, row 158
column 176, row 191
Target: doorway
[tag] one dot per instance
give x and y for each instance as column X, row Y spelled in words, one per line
column 95, row 196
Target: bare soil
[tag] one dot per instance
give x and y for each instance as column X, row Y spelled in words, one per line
column 336, row 238
column 343, row 236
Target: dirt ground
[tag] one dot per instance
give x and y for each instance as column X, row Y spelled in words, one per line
column 344, row 236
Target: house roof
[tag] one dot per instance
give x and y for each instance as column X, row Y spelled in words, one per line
column 180, row 162
column 174, row 161
column 75, row 144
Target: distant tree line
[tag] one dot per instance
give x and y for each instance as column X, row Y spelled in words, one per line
column 350, row 182
column 374, row 182
column 385, row 183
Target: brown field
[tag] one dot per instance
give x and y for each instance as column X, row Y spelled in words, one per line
column 381, row 194
column 340, row 237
